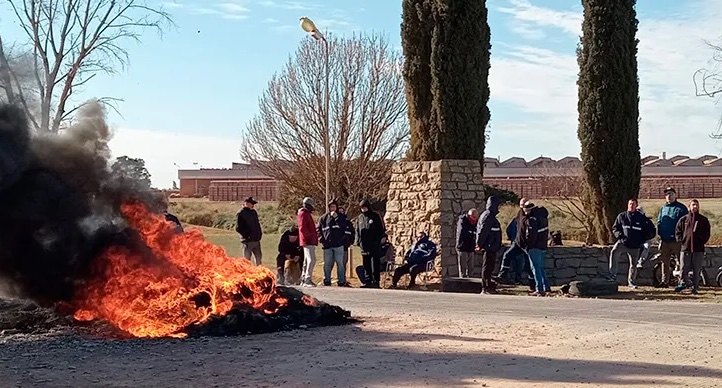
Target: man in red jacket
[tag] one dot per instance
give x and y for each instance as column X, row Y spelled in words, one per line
column 308, row 240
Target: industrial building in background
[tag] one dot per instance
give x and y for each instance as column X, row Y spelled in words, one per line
column 542, row 177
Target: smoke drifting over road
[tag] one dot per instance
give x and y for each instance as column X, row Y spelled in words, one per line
column 59, row 203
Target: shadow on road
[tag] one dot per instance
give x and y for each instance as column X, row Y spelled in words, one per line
column 338, row 356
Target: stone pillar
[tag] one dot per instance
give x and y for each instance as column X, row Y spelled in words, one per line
column 430, row 196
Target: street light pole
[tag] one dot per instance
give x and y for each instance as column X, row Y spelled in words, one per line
column 327, row 132
column 308, row 26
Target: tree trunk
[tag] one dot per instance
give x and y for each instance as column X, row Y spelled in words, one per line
column 609, row 109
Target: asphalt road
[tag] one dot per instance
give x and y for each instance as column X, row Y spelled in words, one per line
column 375, row 302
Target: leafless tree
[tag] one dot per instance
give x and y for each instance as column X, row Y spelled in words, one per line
column 71, row 41
column 565, row 193
column 708, row 81
column 16, row 76
column 368, row 121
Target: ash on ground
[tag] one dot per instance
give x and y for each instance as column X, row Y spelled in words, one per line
column 26, row 318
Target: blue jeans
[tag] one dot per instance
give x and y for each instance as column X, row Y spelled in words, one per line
column 537, row 256
column 333, row 256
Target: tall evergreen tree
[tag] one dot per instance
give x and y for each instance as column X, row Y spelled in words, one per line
column 608, row 107
column 447, row 47
column 416, row 30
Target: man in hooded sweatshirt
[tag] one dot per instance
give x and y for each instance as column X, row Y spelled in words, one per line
column 489, row 242
column 466, row 241
column 369, row 231
column 308, row 240
column 331, row 229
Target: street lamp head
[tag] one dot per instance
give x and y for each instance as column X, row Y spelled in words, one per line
column 308, row 26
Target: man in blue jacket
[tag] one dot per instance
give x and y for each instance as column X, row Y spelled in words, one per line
column 514, row 258
column 631, row 229
column 416, row 258
column 669, row 216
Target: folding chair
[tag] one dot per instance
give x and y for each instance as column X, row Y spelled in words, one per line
column 387, row 273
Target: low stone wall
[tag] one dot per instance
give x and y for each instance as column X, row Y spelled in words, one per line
column 565, row 264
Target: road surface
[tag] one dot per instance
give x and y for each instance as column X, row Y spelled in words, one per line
column 411, row 339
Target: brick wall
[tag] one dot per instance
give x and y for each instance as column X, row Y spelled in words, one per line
column 651, row 187
column 261, row 190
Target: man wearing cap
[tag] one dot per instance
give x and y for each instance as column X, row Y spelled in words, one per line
column 308, row 240
column 533, row 236
column 370, row 230
column 669, row 216
column 248, row 226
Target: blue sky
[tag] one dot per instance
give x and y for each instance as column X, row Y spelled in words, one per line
column 189, row 94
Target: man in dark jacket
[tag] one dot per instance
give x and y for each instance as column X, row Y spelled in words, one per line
column 369, row 231
column 422, row 251
column 489, row 242
column 532, row 236
column 631, row 229
column 350, row 236
column 692, row 232
column 514, row 258
column 249, row 227
column 466, row 241
column 667, row 219
column 332, row 228
column 289, row 253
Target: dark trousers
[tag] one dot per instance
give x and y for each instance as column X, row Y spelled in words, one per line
column 407, row 268
column 372, row 267
column 514, row 261
column 488, row 263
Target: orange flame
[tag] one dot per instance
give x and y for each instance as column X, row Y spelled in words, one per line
column 178, row 280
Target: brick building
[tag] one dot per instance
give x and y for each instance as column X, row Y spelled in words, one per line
column 538, row 178
column 228, row 184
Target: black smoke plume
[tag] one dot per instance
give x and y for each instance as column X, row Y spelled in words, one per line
column 59, row 203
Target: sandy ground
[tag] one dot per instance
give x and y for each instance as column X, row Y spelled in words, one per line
column 408, row 339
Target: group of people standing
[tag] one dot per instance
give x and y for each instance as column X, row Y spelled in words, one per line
column 483, row 234
column 334, row 232
column 682, row 232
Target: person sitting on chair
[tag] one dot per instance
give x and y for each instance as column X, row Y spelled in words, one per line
column 421, row 252
column 288, row 261
column 389, row 256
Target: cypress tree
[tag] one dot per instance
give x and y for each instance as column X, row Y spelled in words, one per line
column 447, row 48
column 416, row 29
column 608, row 107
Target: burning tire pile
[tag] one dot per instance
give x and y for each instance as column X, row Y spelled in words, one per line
column 90, row 246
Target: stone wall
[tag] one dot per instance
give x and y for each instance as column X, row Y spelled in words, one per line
column 430, row 196
column 564, row 264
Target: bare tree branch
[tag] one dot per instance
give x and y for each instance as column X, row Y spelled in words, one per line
column 368, row 122
column 73, row 41
column 708, row 81
column 567, row 192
